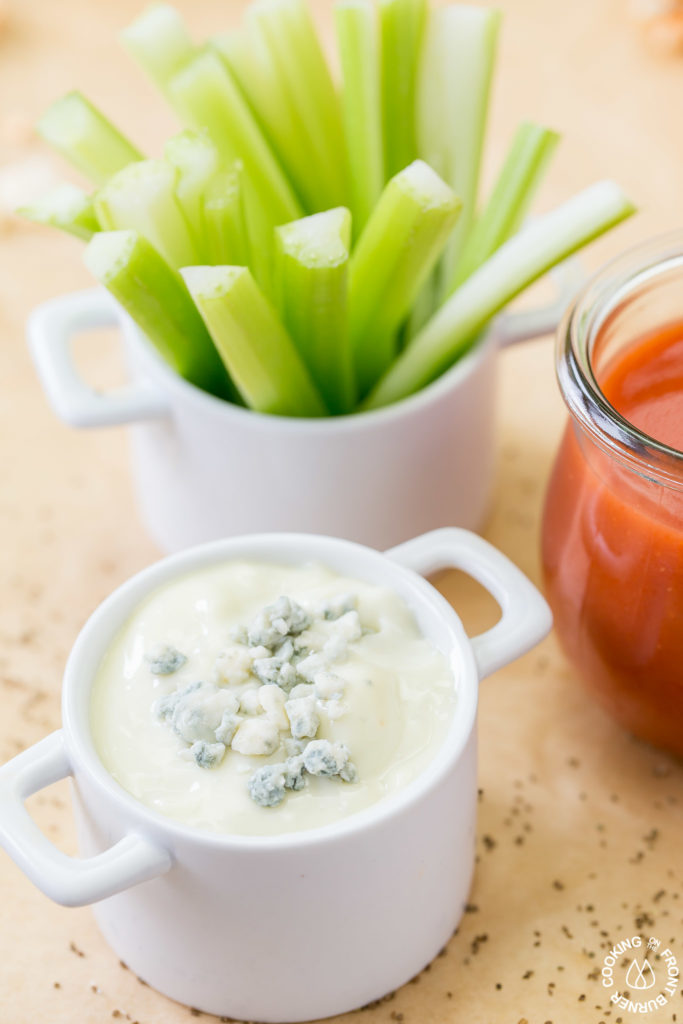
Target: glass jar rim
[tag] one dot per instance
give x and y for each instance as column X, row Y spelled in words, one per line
column 601, row 297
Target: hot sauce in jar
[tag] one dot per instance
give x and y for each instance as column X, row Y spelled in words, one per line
column 613, row 522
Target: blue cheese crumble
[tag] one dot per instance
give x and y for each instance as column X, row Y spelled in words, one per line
column 267, row 785
column 206, row 755
column 303, row 717
column 269, row 687
column 279, row 620
column 324, row 758
column 165, row 661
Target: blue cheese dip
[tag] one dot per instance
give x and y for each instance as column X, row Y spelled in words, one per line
column 259, row 699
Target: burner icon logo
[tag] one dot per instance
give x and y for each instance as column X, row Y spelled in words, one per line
column 640, row 975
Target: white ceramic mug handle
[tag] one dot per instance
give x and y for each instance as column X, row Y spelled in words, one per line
column 525, row 619
column 71, row 881
column 534, row 323
column 50, row 330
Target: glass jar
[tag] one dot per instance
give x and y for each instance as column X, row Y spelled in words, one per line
column 613, row 521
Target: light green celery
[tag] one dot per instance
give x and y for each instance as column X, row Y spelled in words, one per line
column 527, row 159
column 155, row 297
column 519, row 261
column 312, row 261
column 252, row 342
column 398, row 248
column 423, row 307
column 359, row 52
column 195, row 159
column 205, row 95
column 305, row 80
column 66, row 207
column 402, row 25
column 456, row 67
column 248, row 57
column 225, row 229
column 159, row 42
column 142, row 197
column 81, row 133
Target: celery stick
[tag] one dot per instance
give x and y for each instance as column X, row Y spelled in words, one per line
column 248, row 57
column 159, row 42
column 252, row 342
column 225, row 228
column 155, row 297
column 402, row 26
column 142, row 197
column 290, row 37
column 66, row 207
column 195, row 158
column 454, row 79
column 519, row 178
column 86, row 137
column 399, row 246
column 423, row 307
column 359, row 53
column 205, row 95
column 312, row 259
column 518, row 262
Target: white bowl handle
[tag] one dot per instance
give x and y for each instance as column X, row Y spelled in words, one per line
column 511, row 328
column 50, row 329
column 71, row 881
column 526, row 618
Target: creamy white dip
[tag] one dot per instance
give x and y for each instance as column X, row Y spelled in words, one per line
column 391, row 711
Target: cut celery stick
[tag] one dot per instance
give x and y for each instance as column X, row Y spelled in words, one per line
column 195, row 158
column 304, row 78
column 312, row 260
column 252, row 342
column 205, row 95
column 159, row 42
column 423, row 307
column 518, row 262
column 454, row 79
column 519, row 178
column 225, row 229
column 359, row 53
column 155, row 297
column 402, row 26
column 248, row 58
column 86, row 138
column 398, row 248
column 66, row 207
column 142, row 197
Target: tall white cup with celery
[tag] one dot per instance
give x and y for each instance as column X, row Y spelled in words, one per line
column 307, row 279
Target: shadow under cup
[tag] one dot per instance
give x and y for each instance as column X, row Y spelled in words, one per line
column 613, row 522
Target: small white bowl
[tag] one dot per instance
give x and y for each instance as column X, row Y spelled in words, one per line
column 302, row 925
column 206, row 469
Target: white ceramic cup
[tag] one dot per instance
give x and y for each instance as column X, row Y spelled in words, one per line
column 206, row 469
column 302, row 925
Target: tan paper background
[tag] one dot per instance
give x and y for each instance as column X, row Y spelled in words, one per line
column 580, row 827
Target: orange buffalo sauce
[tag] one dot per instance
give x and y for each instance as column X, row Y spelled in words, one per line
column 613, row 549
